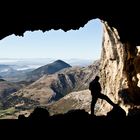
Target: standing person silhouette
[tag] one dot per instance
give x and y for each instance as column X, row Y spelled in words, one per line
column 95, row 89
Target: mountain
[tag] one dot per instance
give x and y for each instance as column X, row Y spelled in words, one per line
column 18, row 73
column 47, row 69
column 17, row 70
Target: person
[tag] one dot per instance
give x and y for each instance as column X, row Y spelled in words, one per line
column 95, row 89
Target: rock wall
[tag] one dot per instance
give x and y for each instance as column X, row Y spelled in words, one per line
column 118, row 72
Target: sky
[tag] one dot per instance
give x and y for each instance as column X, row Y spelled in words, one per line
column 84, row 43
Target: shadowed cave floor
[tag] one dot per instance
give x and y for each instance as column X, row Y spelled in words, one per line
column 76, row 122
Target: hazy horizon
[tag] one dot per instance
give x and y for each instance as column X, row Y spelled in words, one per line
column 37, row 62
column 84, row 43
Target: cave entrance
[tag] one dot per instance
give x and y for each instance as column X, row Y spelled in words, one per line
column 22, row 60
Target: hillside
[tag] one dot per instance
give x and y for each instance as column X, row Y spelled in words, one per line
column 72, row 101
column 6, row 89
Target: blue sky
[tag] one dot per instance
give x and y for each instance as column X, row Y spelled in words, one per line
column 84, row 43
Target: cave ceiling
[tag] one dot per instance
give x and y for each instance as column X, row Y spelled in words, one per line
column 17, row 21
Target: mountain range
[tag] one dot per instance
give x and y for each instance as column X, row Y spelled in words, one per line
column 15, row 73
column 55, row 82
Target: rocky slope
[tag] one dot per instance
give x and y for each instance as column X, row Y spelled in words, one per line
column 72, row 101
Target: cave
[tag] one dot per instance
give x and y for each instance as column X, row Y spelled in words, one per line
column 127, row 27
column 120, row 29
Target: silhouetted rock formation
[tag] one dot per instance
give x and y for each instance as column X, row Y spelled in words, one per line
column 116, row 113
column 76, row 122
column 134, row 113
column 21, row 117
column 39, row 114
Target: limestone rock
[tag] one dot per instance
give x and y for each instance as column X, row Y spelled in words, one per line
column 119, row 71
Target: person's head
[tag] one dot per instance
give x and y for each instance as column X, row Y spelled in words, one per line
column 97, row 78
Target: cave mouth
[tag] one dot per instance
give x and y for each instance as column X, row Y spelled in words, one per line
column 21, row 56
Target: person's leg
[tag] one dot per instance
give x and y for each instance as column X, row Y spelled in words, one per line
column 94, row 100
column 102, row 96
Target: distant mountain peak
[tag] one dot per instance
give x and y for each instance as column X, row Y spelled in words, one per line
column 61, row 62
column 48, row 69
